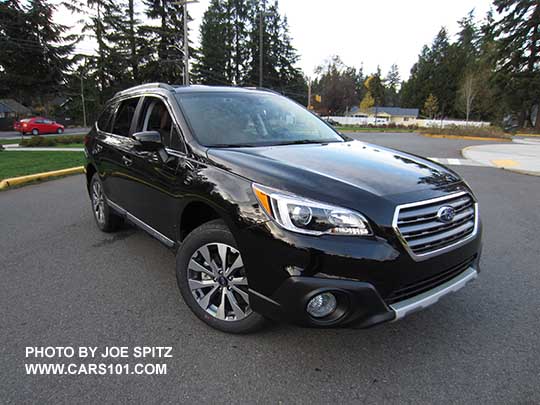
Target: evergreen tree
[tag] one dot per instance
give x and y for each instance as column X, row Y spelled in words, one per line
column 164, row 50
column 18, row 47
column 519, row 57
column 375, row 87
column 336, row 84
column 35, row 52
column 270, row 44
column 437, row 72
column 103, row 20
column 467, row 41
column 489, row 86
column 213, row 56
column 230, row 48
column 393, row 82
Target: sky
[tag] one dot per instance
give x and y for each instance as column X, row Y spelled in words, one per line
column 364, row 33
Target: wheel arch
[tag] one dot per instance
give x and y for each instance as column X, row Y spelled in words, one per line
column 90, row 171
column 198, row 212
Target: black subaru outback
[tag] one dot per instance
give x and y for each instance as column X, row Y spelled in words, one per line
column 273, row 214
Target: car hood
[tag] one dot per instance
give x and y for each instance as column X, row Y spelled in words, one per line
column 355, row 169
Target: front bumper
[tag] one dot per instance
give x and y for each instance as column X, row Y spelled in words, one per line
column 359, row 304
column 374, row 280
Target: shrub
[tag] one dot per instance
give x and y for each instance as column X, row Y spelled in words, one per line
column 42, row 141
column 489, row 132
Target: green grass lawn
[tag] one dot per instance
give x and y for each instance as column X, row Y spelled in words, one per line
column 9, row 141
column 70, row 145
column 14, row 164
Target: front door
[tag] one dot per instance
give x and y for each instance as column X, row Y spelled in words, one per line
column 159, row 173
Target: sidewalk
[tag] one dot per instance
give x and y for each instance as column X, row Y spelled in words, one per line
column 521, row 156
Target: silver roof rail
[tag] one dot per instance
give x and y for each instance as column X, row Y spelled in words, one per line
column 262, row 89
column 146, row 86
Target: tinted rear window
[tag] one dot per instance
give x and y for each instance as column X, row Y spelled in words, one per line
column 124, row 116
column 104, row 120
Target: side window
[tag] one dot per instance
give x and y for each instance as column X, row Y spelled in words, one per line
column 124, row 116
column 177, row 142
column 155, row 116
column 104, row 120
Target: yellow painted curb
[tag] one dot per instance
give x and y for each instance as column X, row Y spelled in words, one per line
column 472, row 138
column 14, row 181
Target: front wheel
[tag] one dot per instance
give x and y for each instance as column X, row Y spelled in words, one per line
column 35, row 132
column 59, row 131
column 213, row 281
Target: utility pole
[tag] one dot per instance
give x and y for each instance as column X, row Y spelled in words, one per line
column 262, row 14
column 82, row 99
column 184, row 4
column 83, row 102
column 309, row 94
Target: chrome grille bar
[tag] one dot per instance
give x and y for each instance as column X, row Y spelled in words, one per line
column 424, row 235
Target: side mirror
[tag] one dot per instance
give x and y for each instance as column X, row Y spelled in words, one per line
column 149, row 140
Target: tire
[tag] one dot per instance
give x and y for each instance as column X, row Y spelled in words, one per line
column 59, row 131
column 210, row 241
column 35, row 132
column 106, row 219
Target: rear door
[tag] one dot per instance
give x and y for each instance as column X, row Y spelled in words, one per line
column 48, row 126
column 38, row 124
column 115, row 152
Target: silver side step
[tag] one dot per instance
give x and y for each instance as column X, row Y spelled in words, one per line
column 430, row 297
column 143, row 225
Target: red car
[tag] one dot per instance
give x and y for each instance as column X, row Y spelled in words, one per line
column 37, row 126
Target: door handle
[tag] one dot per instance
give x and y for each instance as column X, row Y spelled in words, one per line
column 127, row 161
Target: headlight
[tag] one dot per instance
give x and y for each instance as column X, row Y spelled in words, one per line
column 310, row 217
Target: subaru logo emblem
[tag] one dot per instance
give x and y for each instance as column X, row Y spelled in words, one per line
column 446, row 214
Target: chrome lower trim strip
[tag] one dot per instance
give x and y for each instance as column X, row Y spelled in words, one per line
column 423, row 256
column 430, row 297
column 141, row 224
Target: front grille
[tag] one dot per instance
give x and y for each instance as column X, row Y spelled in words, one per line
column 424, row 233
column 418, row 287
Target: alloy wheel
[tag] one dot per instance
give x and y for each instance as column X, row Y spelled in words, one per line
column 98, row 202
column 217, row 280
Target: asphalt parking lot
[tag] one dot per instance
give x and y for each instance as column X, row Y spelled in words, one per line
column 66, row 283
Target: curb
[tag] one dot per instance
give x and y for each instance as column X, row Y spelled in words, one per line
column 521, row 134
column 519, row 171
column 471, row 138
column 15, row 181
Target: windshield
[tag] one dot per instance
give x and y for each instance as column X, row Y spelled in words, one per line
column 243, row 119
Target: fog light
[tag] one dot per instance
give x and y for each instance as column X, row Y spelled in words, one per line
column 322, row 305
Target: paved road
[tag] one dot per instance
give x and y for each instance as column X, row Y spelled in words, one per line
column 419, row 144
column 17, row 135
column 65, row 283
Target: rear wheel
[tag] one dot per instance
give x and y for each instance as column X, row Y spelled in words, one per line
column 212, row 279
column 106, row 219
column 59, row 131
column 35, row 132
